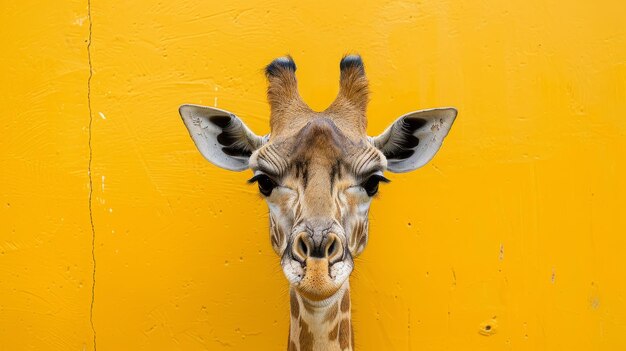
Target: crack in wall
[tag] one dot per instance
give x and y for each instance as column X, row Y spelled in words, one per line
column 93, row 228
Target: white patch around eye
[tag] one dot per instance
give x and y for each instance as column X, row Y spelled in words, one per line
column 274, row 209
column 276, row 203
column 356, row 190
column 280, row 194
column 364, row 207
column 363, row 200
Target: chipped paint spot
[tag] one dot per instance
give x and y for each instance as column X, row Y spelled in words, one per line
column 488, row 327
column 102, row 115
column 79, row 21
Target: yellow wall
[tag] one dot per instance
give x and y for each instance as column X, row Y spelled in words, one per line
column 520, row 218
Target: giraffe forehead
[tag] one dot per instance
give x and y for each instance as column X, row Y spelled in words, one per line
column 320, row 136
column 319, row 145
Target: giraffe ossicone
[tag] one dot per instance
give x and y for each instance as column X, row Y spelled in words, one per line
column 318, row 172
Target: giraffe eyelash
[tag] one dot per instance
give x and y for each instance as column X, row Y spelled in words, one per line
column 266, row 184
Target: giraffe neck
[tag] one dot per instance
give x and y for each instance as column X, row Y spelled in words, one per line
column 321, row 325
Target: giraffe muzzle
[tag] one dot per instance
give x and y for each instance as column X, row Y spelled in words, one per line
column 319, row 261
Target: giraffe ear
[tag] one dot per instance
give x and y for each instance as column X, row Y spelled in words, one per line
column 220, row 136
column 414, row 139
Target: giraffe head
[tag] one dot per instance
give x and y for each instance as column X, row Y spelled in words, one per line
column 318, row 171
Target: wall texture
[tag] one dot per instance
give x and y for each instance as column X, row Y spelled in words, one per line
column 519, row 222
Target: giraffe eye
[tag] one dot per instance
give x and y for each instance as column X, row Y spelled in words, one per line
column 371, row 184
column 265, row 183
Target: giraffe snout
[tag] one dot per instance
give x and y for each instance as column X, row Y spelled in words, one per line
column 329, row 247
column 322, row 264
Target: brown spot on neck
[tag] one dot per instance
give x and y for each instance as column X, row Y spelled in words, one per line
column 345, row 301
column 332, row 313
column 344, row 334
column 295, row 306
column 333, row 333
column 306, row 337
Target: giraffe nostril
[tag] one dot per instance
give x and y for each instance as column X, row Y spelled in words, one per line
column 333, row 248
column 300, row 248
column 303, row 247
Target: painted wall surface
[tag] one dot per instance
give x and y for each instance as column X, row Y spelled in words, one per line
column 519, row 223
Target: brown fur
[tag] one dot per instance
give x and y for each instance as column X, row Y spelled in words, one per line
column 295, row 306
column 344, row 334
column 321, row 324
column 345, row 301
column 332, row 336
column 331, row 314
column 319, row 155
column 284, row 99
column 292, row 346
column 351, row 103
column 306, row 337
column 289, row 112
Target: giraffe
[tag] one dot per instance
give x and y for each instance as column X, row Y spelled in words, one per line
column 318, row 172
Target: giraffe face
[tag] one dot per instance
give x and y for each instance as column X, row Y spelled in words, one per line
column 318, row 184
column 317, row 171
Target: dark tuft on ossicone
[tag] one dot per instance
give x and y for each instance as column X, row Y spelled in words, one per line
column 279, row 64
column 352, row 61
